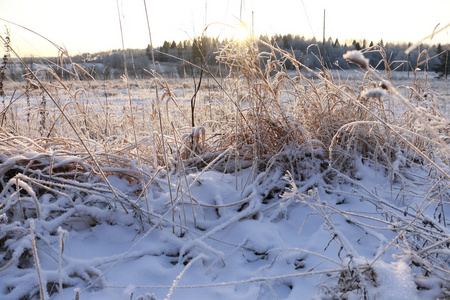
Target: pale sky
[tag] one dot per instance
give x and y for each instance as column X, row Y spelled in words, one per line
column 93, row 25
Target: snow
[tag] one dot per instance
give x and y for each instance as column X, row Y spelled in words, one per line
column 397, row 281
column 285, row 247
column 309, row 232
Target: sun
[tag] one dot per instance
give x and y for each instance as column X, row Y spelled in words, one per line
column 241, row 32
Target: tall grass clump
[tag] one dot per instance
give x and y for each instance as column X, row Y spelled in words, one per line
column 310, row 122
column 300, row 132
column 312, row 109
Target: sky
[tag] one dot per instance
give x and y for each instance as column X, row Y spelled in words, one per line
column 82, row 26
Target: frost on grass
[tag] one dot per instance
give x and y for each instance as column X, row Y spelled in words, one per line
column 262, row 238
column 375, row 93
column 357, row 57
column 310, row 194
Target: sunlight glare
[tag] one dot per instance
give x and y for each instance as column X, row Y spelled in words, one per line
column 241, row 32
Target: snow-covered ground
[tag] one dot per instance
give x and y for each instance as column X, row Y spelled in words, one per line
column 302, row 231
column 268, row 237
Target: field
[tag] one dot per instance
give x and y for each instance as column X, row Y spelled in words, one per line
column 260, row 183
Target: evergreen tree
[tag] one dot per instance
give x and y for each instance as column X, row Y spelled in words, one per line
column 356, row 45
column 197, row 51
column 148, row 51
column 166, row 46
column 336, row 43
column 443, row 67
column 330, row 41
column 164, row 49
column 438, row 50
column 286, row 42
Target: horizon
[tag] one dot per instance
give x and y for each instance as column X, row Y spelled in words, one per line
column 344, row 43
column 95, row 26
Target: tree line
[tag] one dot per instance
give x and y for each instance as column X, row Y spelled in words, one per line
column 175, row 59
column 313, row 54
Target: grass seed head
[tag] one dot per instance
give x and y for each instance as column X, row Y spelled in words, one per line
column 375, row 93
column 358, row 58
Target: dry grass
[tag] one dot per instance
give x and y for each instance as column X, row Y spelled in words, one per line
column 259, row 116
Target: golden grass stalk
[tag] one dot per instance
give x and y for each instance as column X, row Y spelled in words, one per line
column 71, row 124
column 42, row 291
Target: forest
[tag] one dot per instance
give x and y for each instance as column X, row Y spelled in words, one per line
column 176, row 59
